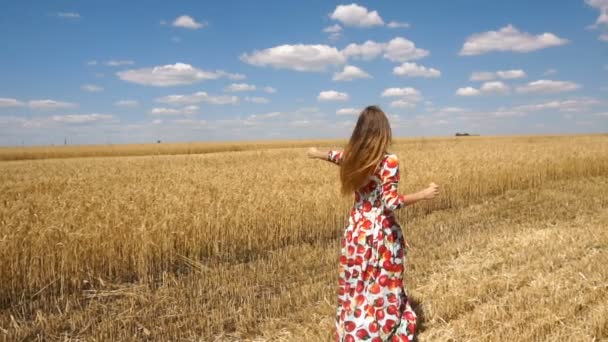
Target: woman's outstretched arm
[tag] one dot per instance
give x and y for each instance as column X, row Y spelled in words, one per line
column 333, row 156
column 390, row 183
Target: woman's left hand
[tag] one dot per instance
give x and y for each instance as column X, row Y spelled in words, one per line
column 313, row 152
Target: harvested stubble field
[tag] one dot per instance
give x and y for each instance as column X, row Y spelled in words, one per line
column 243, row 245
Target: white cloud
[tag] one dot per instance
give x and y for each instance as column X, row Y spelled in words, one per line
column 508, row 38
column 119, row 62
column 234, row 77
column 407, row 97
column 7, row 102
column 68, row 15
column 482, row 76
column 548, row 86
column 355, row 15
column 348, row 111
column 493, row 87
column 335, row 31
column 549, row 72
column 402, row 50
column 81, row 118
column 397, row 49
column 186, row 21
column 504, row 74
column 332, row 95
column 299, row 57
column 397, row 24
column 569, row 106
column 403, row 104
column 496, row 87
column 92, row 62
column 91, row 88
column 265, row 115
column 269, row 90
column 257, row 99
column 126, row 103
column 237, row 87
column 407, row 93
column 187, row 110
column 350, row 73
column 167, row 75
column 415, row 70
column 198, row 97
column 467, row 91
column 49, row 104
column 602, row 20
column 366, row 51
column 511, row 74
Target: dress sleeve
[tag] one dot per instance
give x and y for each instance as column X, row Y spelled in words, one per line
column 391, row 199
column 334, row 156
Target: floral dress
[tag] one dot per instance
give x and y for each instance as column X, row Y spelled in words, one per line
column 372, row 303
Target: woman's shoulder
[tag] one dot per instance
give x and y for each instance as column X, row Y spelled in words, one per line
column 389, row 156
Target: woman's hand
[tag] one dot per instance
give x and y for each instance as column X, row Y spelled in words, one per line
column 430, row 192
column 314, row 152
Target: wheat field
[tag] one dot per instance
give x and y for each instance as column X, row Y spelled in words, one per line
column 240, row 242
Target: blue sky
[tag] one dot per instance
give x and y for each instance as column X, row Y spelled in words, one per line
column 139, row 71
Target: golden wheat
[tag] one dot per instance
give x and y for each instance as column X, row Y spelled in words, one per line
column 244, row 242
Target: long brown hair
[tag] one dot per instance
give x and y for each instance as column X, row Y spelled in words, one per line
column 368, row 143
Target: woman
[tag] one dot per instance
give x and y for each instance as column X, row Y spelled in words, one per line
column 372, row 303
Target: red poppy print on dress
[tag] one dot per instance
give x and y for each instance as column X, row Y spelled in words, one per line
column 372, row 303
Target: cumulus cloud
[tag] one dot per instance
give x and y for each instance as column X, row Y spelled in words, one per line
column 397, row 49
column 408, row 97
column 230, row 76
column 187, row 110
column 402, row 50
column 493, row 87
column 415, row 70
column 113, row 62
column 407, row 93
column 68, row 15
column 348, row 111
column 548, row 86
column 335, row 31
column 126, row 103
column 355, row 15
column 503, row 74
column 508, row 38
column 237, row 87
column 350, row 73
column 602, row 20
column 332, row 95
column 467, row 91
column 269, row 90
column 167, row 75
column 198, row 97
column 186, row 21
column 91, row 88
column 81, row 118
column 257, row 99
column 8, row 102
column 569, row 106
column 366, row 51
column 397, row 24
column 299, row 57
column 49, row 104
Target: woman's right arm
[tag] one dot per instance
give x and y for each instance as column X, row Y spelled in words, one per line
column 390, row 182
column 333, row 156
